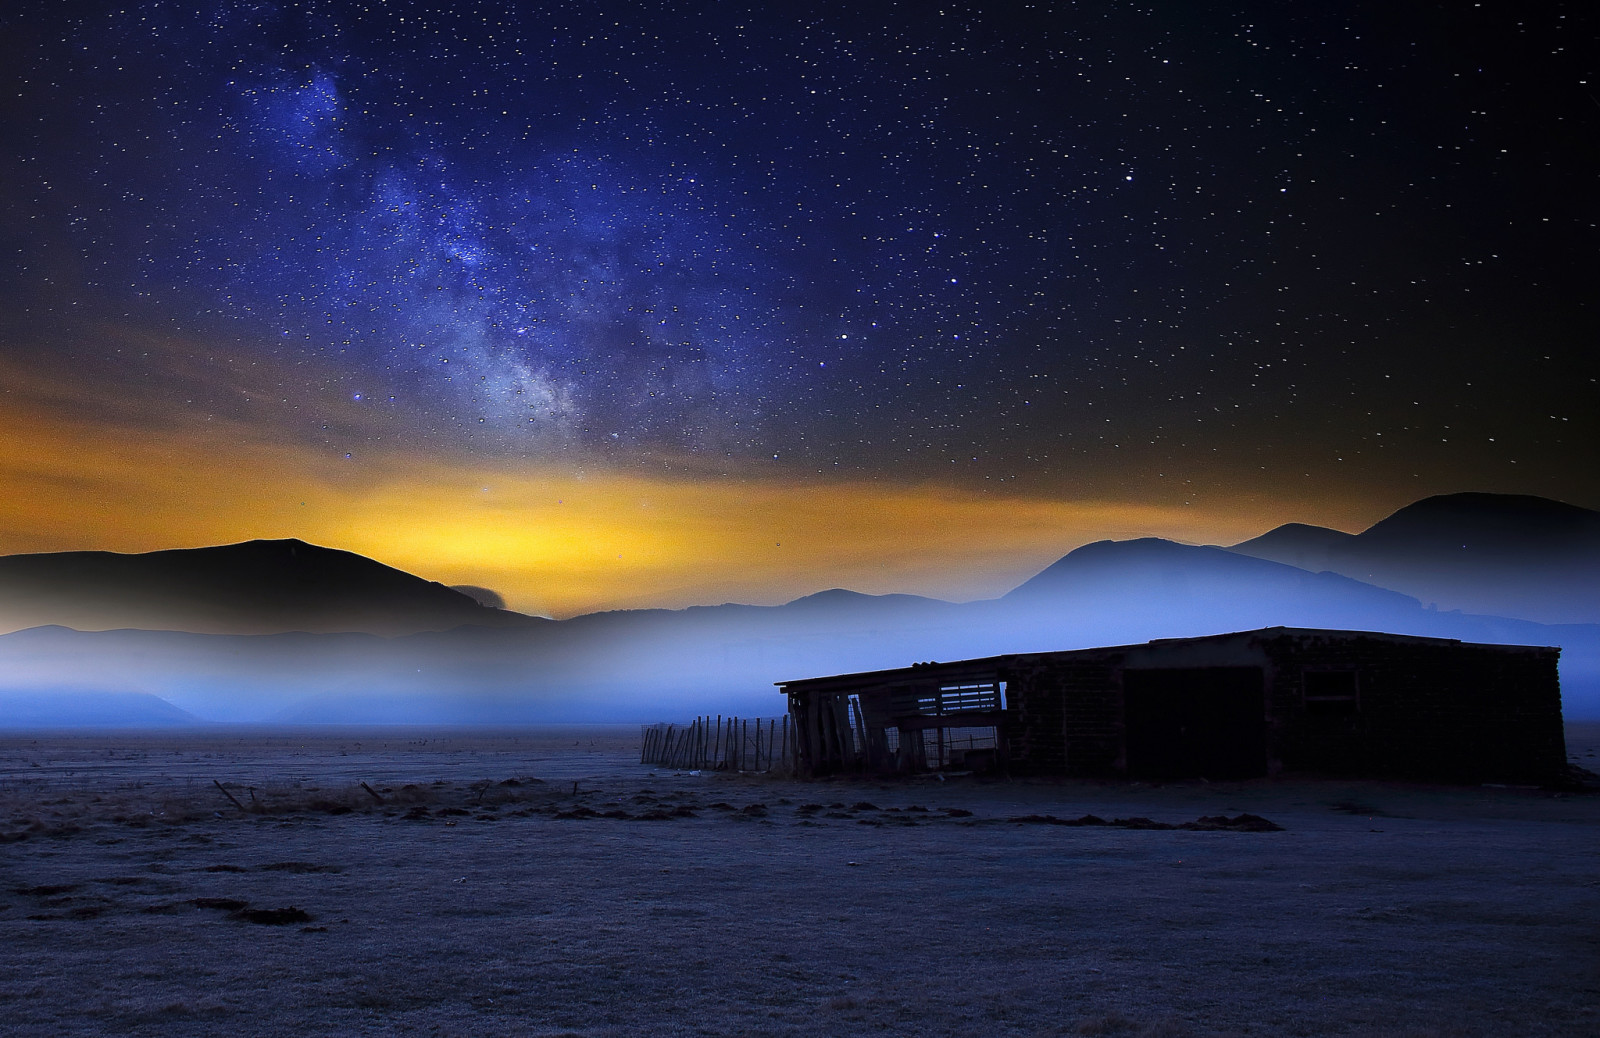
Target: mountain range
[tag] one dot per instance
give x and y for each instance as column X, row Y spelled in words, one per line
column 285, row 631
column 1481, row 553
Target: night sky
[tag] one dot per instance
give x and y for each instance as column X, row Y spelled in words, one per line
column 600, row 303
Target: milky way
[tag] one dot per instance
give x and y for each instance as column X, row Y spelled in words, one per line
column 1060, row 245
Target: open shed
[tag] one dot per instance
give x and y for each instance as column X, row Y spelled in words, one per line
column 1227, row 706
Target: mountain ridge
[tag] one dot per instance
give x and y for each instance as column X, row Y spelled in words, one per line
column 639, row 663
column 1505, row 554
column 250, row 587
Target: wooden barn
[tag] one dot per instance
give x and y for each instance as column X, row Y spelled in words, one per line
column 1227, row 706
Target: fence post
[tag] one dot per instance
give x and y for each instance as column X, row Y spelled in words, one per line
column 726, row 742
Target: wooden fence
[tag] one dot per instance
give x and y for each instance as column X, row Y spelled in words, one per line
column 718, row 744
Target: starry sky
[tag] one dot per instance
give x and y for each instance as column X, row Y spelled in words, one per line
column 604, row 304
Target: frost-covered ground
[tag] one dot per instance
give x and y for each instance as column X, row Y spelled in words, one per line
column 543, row 883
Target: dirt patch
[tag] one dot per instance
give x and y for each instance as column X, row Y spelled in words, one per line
column 273, row 916
column 221, row 904
column 241, row 910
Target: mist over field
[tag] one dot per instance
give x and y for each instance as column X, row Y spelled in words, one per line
column 643, row 665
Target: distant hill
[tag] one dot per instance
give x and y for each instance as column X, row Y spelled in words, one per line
column 1502, row 554
column 1158, row 566
column 1113, row 592
column 76, row 708
column 660, row 663
column 385, row 646
column 1297, row 544
column 257, row 587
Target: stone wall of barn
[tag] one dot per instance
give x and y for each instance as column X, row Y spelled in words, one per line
column 1063, row 714
column 1452, row 712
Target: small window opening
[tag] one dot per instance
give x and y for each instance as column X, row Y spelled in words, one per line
column 1331, row 693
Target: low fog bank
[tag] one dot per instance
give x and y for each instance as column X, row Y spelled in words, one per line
column 658, row 665
column 1478, row 567
column 88, row 708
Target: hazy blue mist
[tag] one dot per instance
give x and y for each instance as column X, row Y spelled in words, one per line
column 659, row 665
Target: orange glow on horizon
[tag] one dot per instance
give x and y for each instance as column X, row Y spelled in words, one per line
column 554, row 539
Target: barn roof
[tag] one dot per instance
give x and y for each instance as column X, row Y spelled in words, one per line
column 984, row 666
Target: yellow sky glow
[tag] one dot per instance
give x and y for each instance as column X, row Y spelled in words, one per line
column 553, row 539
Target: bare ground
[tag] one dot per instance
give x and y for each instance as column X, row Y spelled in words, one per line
column 541, row 882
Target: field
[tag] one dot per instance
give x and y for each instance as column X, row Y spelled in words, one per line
column 542, row 882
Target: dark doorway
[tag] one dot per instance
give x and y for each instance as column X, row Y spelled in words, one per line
column 1195, row 722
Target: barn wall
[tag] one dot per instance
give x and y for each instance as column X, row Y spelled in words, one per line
column 1430, row 710
column 1452, row 712
column 1064, row 714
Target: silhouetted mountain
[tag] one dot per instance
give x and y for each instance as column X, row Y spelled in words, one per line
column 1152, row 565
column 1515, row 526
column 1297, row 544
column 256, row 587
column 645, row 664
column 481, row 595
column 839, row 598
column 1158, row 588
column 1504, row 554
